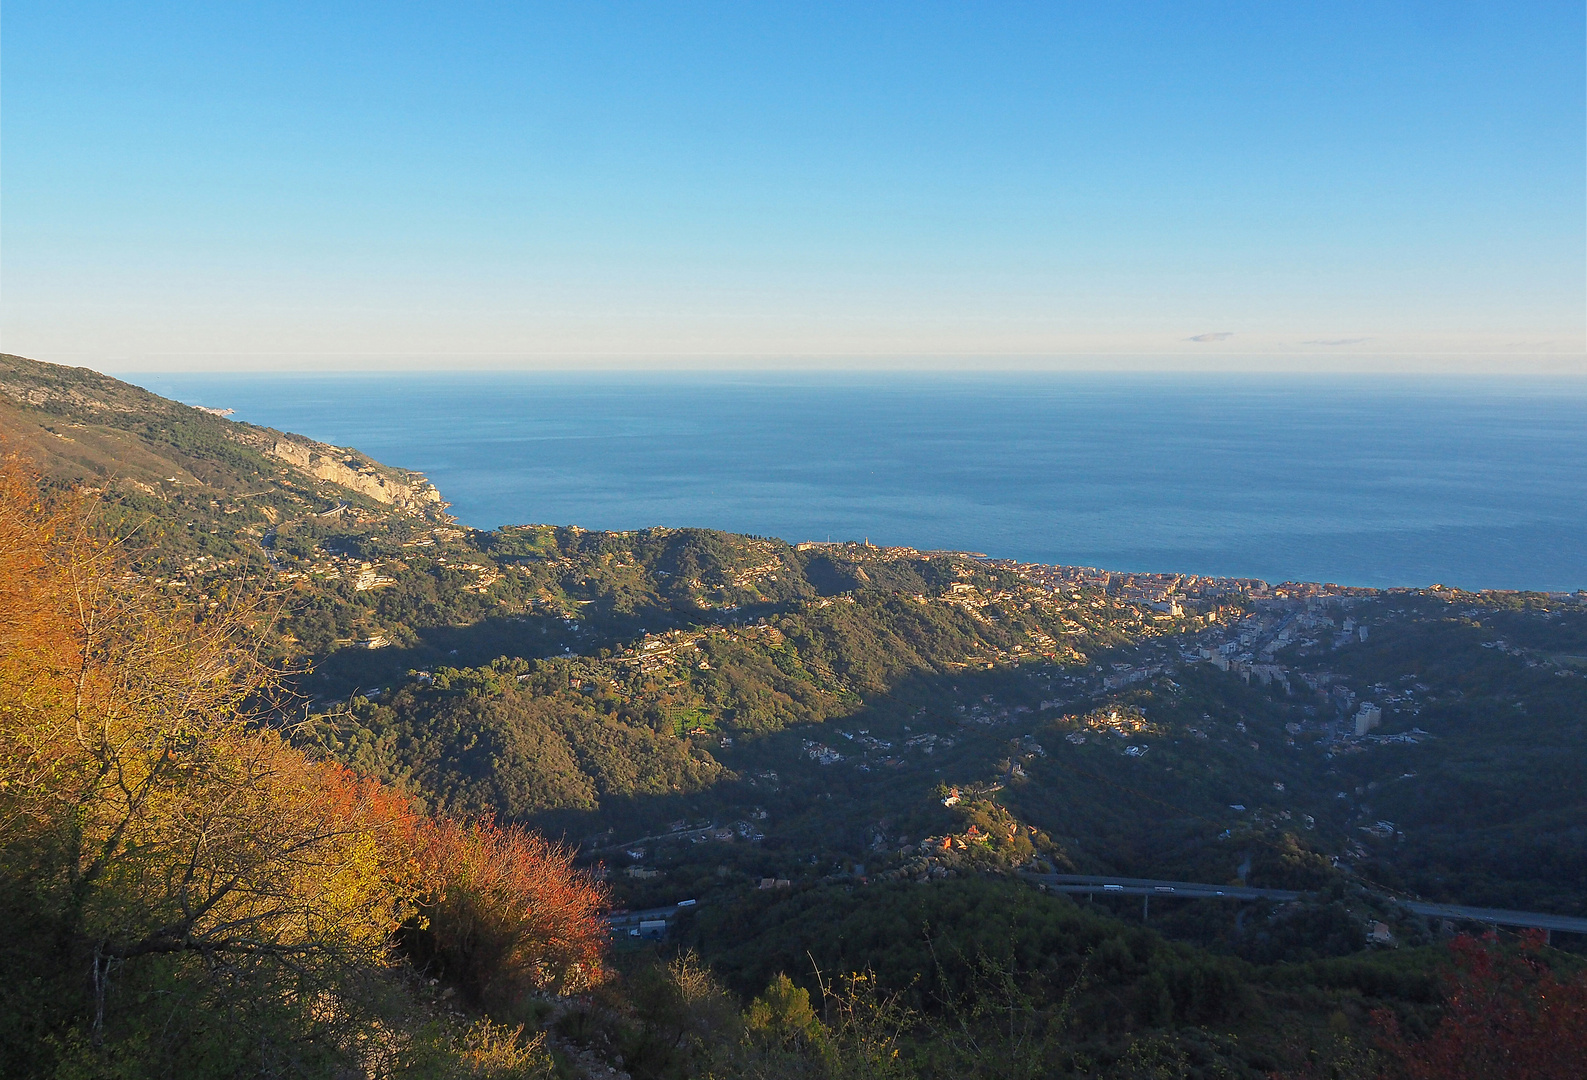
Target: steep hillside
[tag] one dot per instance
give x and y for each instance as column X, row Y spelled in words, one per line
column 838, row 704
column 81, row 426
column 843, row 757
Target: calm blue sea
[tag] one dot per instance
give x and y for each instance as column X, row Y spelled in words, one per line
column 1386, row 481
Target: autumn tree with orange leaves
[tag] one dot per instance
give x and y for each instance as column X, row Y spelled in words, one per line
column 176, row 873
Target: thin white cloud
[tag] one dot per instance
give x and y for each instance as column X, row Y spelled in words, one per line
column 1337, row 341
column 1221, row 335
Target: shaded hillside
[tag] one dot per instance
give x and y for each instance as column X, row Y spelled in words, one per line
column 845, row 755
column 822, row 701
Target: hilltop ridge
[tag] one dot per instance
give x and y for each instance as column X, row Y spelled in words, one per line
column 81, row 426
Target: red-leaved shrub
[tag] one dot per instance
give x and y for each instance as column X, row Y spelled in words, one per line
column 1507, row 1016
column 507, row 914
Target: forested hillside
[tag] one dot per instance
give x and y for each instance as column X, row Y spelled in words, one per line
column 843, row 756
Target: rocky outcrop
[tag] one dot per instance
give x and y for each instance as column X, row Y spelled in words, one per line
column 346, row 468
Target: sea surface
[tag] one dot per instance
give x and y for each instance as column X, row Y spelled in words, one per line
column 1479, row 483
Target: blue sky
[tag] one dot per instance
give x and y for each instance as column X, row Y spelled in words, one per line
column 962, row 185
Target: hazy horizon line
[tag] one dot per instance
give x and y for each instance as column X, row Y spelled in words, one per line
column 1557, row 365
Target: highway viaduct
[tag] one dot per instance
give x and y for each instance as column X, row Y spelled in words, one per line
column 1146, row 888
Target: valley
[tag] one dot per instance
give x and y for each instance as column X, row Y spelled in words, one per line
column 782, row 749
